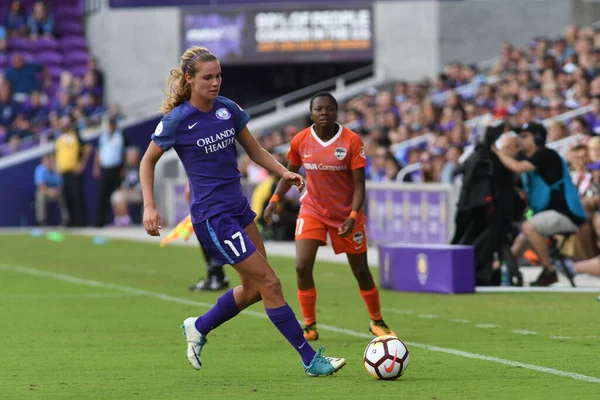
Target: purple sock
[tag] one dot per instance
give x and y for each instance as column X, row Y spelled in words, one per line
column 223, row 311
column 284, row 319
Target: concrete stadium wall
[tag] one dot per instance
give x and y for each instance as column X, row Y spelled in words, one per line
column 584, row 12
column 407, row 38
column 473, row 30
column 137, row 48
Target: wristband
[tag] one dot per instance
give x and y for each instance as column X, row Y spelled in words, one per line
column 353, row 214
column 274, row 198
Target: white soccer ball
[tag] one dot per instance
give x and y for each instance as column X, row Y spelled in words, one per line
column 386, row 358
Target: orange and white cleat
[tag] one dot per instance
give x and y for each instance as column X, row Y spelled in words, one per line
column 380, row 328
column 310, row 332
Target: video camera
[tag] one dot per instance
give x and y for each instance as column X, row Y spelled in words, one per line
column 492, row 132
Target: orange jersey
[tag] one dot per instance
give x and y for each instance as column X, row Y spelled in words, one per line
column 329, row 185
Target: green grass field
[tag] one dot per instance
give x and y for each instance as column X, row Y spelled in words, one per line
column 82, row 321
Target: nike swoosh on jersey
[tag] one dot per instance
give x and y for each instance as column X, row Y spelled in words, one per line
column 191, row 126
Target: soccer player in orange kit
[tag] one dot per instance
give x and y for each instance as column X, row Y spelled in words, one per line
column 334, row 159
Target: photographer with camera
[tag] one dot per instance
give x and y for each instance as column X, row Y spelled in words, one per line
column 550, row 194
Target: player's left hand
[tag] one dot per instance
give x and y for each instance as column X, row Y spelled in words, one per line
column 294, row 179
column 346, row 227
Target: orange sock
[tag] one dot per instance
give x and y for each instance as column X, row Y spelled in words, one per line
column 371, row 298
column 308, row 304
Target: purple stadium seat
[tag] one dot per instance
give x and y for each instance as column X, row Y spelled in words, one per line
column 78, row 70
column 54, row 71
column 68, row 28
column 49, row 58
column 70, row 43
column 67, row 12
column 3, row 59
column 76, row 58
column 5, row 150
column 28, row 57
column 43, row 44
column 19, row 44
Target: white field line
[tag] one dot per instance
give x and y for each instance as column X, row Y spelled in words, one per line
column 524, row 332
column 483, row 326
column 349, row 332
column 65, row 296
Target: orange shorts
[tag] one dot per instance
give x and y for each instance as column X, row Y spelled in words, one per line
column 309, row 227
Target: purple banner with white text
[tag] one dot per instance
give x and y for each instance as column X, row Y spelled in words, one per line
column 291, row 35
column 408, row 215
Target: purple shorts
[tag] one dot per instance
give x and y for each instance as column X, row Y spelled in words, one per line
column 224, row 238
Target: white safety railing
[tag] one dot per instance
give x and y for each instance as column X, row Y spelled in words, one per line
column 412, row 142
column 409, row 169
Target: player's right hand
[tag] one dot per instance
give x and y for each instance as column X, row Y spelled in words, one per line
column 152, row 221
column 270, row 210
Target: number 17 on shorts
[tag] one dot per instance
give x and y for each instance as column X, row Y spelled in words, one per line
column 224, row 240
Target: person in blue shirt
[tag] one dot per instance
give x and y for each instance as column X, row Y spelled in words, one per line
column 15, row 19
column 203, row 128
column 48, row 189
column 40, row 23
column 2, row 39
column 108, row 166
column 23, row 76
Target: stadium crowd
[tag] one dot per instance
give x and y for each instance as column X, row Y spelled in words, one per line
column 46, row 73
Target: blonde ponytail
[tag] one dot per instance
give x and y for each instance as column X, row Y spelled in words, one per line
column 178, row 90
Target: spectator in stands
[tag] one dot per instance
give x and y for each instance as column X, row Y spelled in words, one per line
column 392, row 167
column 578, row 125
column 98, row 74
column 72, row 156
column 594, row 150
column 449, row 169
column 37, row 113
column 115, row 112
column 15, row 20
column 108, row 166
column 2, row 39
column 557, row 130
column 425, row 174
column 40, row 23
column 94, row 110
column 23, row 77
column 48, row 185
column 61, row 107
column 9, row 109
column 580, row 175
column 375, row 170
column 130, row 191
column 90, row 86
column 19, row 131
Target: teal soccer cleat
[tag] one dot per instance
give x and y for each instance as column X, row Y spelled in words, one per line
column 195, row 340
column 322, row 366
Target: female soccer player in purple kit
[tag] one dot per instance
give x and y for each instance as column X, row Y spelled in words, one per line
column 203, row 127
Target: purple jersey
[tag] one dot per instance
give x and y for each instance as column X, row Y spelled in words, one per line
column 205, row 144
